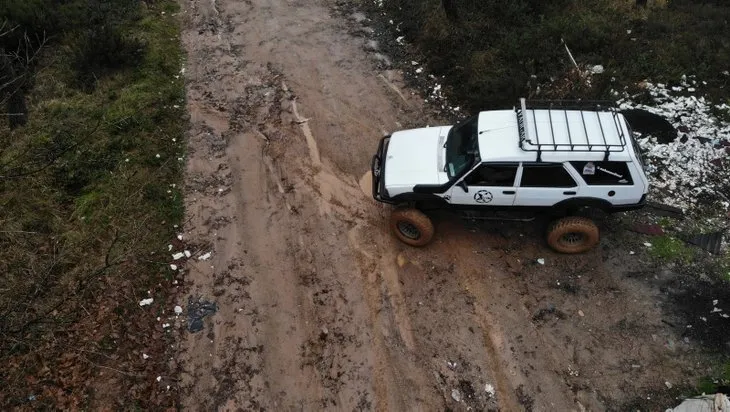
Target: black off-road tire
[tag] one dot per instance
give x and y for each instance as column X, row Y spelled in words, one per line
column 573, row 234
column 411, row 226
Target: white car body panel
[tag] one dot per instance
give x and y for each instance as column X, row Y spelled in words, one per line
column 415, row 157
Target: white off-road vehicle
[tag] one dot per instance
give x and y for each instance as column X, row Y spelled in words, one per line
column 567, row 160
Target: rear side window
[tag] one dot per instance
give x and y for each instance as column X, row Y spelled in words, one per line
column 553, row 175
column 604, row 173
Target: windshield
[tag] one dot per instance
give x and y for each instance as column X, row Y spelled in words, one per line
column 462, row 146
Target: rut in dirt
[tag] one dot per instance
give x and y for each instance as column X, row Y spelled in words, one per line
column 318, row 306
column 303, row 320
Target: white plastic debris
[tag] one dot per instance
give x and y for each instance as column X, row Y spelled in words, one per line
column 597, row 69
column 678, row 170
column 165, row 325
column 205, row 256
column 179, row 237
column 631, row 252
column 541, row 261
column 145, row 356
column 157, row 155
column 159, row 378
column 145, row 302
column 178, row 255
column 715, row 402
column 173, row 266
column 456, row 395
column 169, row 248
column 715, row 302
column 187, row 253
column 668, row 384
column 489, row 389
column 178, row 310
column 647, row 244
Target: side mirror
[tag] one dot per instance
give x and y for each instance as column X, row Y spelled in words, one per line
column 462, row 184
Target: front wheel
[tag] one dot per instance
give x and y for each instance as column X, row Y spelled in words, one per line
column 573, row 234
column 411, row 226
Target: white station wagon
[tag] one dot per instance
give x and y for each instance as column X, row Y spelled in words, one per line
column 566, row 159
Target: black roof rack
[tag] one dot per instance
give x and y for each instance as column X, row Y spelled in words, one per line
column 560, row 108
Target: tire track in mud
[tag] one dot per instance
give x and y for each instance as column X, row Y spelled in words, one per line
column 318, row 307
column 286, row 334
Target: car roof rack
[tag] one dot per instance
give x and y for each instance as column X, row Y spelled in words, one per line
column 560, row 108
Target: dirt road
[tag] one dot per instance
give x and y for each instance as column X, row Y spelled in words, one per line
column 318, row 306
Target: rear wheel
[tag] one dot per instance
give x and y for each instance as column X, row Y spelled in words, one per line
column 573, row 234
column 411, row 226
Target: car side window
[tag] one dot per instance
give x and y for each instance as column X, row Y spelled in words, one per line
column 546, row 175
column 492, row 175
column 604, row 173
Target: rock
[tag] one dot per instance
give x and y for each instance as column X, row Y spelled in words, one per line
column 489, row 389
column 456, row 395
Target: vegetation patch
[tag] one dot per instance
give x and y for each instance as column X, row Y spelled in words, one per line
column 91, row 150
column 670, row 249
column 490, row 53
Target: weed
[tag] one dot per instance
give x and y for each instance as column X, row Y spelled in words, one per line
column 670, row 249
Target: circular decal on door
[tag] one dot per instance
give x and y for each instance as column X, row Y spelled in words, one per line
column 483, row 196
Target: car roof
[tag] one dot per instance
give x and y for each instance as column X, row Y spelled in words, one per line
column 554, row 135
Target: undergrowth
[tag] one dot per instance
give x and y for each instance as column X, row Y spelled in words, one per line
column 89, row 193
column 490, row 53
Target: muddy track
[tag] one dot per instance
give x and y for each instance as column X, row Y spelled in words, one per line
column 318, row 306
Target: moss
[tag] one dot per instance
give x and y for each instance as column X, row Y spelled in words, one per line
column 667, row 248
column 711, row 384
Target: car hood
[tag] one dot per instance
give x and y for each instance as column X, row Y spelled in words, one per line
column 415, row 157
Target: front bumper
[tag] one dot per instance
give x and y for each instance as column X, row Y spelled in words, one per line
column 377, row 169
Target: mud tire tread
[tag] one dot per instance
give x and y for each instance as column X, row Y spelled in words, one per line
column 573, row 224
column 416, row 218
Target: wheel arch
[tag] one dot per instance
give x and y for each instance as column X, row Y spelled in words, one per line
column 571, row 206
column 420, row 201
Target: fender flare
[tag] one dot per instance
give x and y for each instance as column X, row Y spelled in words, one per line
column 565, row 206
column 421, row 200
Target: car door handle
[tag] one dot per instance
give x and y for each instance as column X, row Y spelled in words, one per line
column 569, row 193
column 508, row 192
